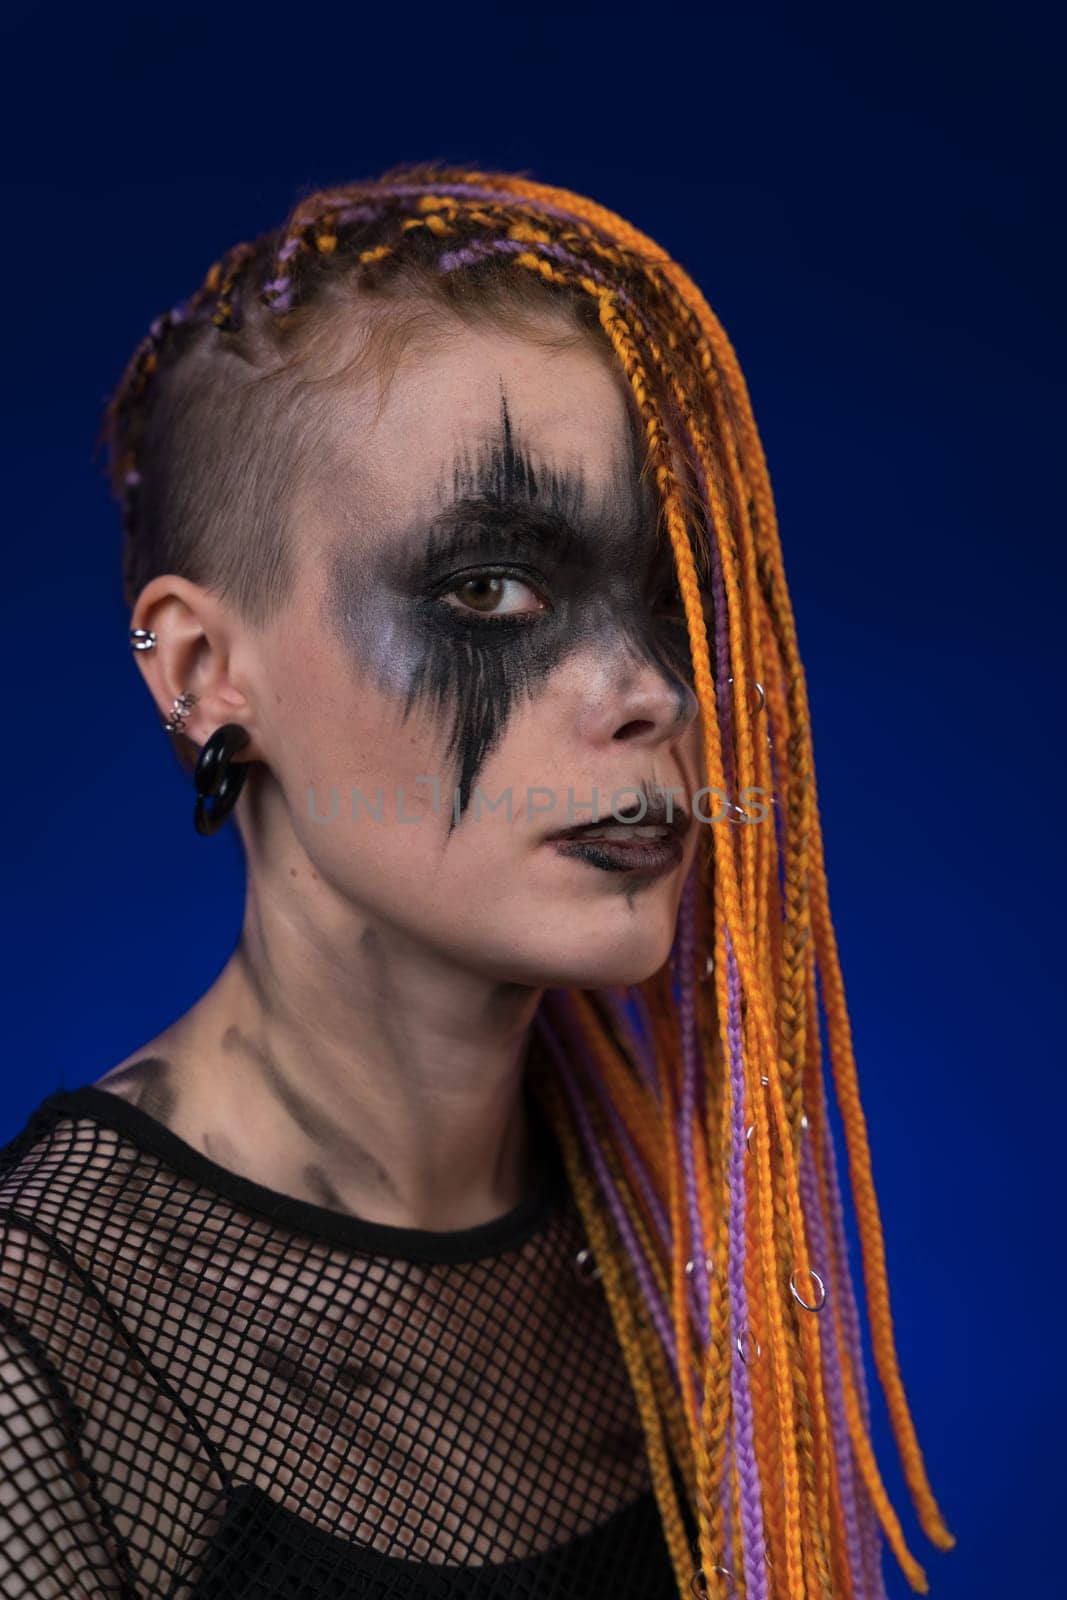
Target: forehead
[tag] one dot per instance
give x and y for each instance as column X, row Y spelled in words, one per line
column 479, row 402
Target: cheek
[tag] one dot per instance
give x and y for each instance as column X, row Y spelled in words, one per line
column 375, row 650
column 455, row 890
column 335, row 729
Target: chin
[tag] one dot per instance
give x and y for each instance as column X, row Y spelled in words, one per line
column 597, row 945
column 612, row 974
column 614, row 964
column 613, row 943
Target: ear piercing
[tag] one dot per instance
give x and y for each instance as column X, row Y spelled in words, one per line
column 175, row 723
column 217, row 777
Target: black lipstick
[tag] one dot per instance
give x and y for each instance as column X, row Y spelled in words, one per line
column 645, row 841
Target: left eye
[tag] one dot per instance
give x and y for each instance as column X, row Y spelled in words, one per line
column 496, row 595
column 670, row 601
column 669, row 604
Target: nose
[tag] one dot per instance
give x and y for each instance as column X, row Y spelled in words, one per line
column 637, row 701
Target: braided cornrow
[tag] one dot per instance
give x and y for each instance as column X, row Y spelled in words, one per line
column 691, row 1109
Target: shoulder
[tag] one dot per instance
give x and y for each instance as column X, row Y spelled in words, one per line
column 70, row 1186
column 54, row 1176
column 77, row 1202
column 148, row 1079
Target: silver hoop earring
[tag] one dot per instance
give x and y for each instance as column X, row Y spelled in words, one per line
column 142, row 639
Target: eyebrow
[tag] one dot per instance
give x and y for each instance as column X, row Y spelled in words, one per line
column 527, row 519
column 472, row 515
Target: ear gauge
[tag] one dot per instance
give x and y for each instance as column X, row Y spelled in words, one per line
column 217, row 777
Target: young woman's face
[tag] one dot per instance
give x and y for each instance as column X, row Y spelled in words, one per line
column 486, row 647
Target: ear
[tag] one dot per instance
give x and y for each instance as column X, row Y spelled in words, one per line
column 196, row 634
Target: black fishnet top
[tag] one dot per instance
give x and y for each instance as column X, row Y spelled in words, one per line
column 210, row 1389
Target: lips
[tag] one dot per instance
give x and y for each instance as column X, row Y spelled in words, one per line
column 645, row 843
column 650, row 825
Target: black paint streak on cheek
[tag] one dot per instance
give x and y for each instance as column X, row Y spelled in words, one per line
column 479, row 686
column 481, row 682
column 477, row 673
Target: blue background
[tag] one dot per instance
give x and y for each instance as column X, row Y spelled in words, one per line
column 869, row 202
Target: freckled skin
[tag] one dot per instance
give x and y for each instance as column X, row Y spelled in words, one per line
column 604, row 570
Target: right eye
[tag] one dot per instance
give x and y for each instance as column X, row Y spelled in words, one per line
column 492, row 594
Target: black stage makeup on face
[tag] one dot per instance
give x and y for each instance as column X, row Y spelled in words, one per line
column 597, row 578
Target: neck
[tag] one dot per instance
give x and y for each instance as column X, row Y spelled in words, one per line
column 337, row 1059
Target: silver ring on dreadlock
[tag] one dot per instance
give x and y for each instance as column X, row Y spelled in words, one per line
column 175, row 723
column 142, row 639
column 741, row 1349
column 762, row 693
column 797, row 1296
column 698, row 1583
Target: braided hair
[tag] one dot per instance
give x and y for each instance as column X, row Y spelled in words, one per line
column 691, row 1109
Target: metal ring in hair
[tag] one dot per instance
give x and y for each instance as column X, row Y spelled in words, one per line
column 818, row 1305
column 216, row 777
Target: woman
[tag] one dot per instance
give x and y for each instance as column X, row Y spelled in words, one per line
column 477, row 1232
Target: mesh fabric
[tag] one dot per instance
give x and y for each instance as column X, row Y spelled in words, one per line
column 214, row 1391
